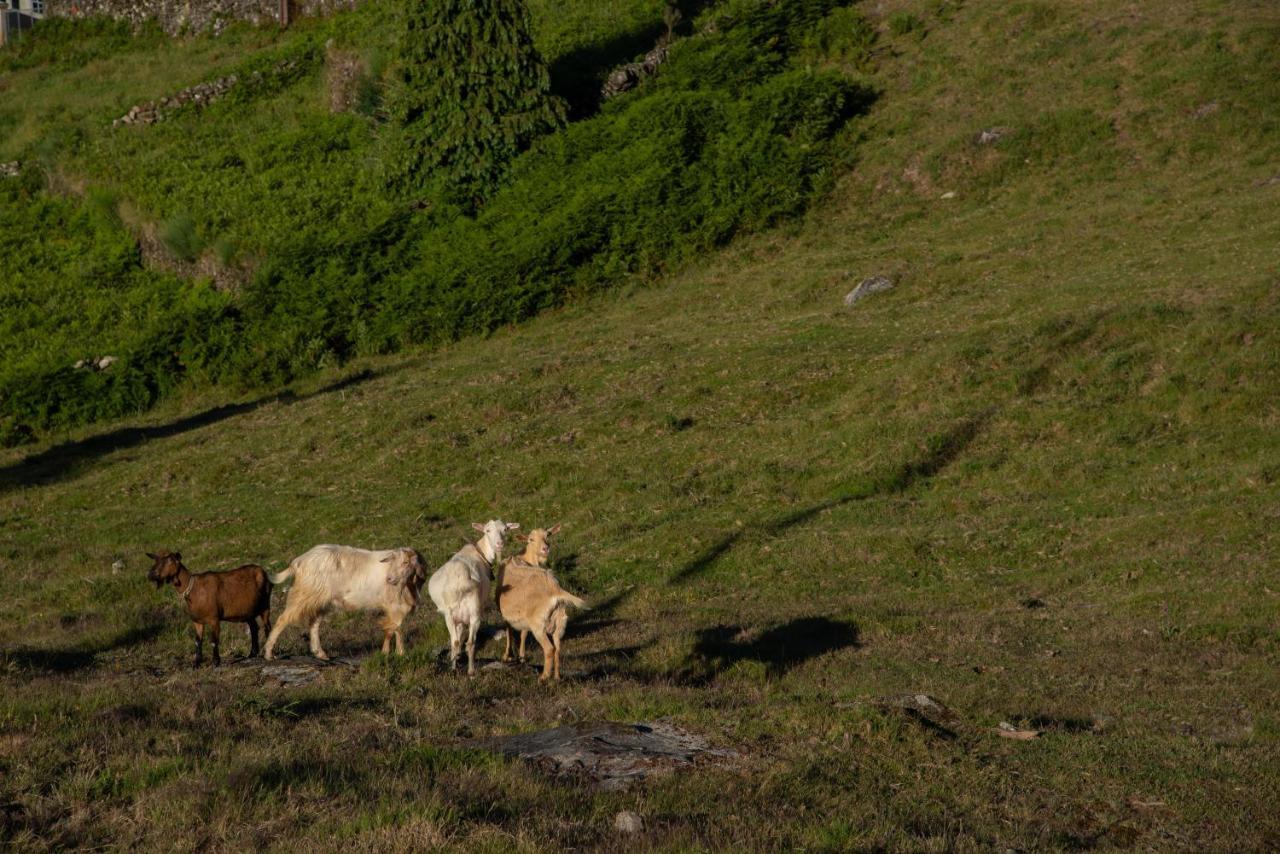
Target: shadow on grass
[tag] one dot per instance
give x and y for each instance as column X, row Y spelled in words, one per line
column 305, row 707
column 600, row 617
column 780, row 648
column 334, row 778
column 55, row 660
column 62, row 461
column 614, row 663
column 941, row 451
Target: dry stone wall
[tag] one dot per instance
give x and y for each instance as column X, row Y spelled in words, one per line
column 174, row 16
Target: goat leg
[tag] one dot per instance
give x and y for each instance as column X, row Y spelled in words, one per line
column 199, row 629
column 471, row 647
column 215, row 632
column 316, row 649
column 548, row 655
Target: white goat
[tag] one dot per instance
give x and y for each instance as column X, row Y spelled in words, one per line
column 461, row 587
column 332, row 577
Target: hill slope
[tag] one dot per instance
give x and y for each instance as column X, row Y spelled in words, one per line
column 1036, row 480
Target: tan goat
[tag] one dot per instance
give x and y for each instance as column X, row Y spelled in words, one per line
column 532, row 600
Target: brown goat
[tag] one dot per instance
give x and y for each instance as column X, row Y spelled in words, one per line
column 531, row 599
column 241, row 595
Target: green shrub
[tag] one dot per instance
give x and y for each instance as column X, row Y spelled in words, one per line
column 843, row 36
column 473, row 93
column 68, row 43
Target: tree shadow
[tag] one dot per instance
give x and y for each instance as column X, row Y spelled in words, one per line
column 579, row 75
column 81, row 656
column 64, row 460
column 941, row 451
column 780, row 648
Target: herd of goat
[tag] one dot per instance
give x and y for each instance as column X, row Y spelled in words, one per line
column 327, row 578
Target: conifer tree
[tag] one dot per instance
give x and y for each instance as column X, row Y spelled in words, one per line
column 473, row 92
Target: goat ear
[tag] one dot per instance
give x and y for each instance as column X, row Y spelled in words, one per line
column 477, row 526
column 150, row 555
column 511, row 526
column 176, row 556
column 554, row 529
column 522, row 538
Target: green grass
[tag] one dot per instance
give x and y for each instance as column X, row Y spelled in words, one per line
column 1070, row 396
column 738, row 133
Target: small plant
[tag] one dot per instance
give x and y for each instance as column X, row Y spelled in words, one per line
column 179, row 236
column 903, row 23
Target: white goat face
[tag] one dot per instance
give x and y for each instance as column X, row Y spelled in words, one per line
column 495, row 533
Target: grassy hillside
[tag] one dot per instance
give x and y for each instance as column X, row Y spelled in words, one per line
column 278, row 208
column 1036, row 480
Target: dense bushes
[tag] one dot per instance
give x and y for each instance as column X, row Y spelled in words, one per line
column 79, row 292
column 735, row 133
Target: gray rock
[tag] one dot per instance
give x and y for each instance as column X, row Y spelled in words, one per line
column 927, row 711
column 1208, row 108
column 12, row 169
column 107, row 361
column 628, row 822
column 866, row 287
column 290, row 674
column 629, row 76
column 608, row 756
column 990, row 136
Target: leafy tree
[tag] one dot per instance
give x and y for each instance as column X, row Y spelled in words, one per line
column 472, row 93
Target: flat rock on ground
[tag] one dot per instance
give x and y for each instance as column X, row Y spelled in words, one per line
column 608, row 755
column 295, row 670
column 868, row 286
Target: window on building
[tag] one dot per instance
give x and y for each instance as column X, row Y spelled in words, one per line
column 37, row 7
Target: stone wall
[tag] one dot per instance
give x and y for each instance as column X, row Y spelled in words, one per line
column 194, row 15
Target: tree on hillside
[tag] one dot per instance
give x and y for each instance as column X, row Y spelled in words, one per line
column 473, row 92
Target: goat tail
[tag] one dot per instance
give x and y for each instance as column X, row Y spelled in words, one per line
column 283, row 576
column 569, row 599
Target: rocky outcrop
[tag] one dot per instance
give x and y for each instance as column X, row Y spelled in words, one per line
column 629, row 76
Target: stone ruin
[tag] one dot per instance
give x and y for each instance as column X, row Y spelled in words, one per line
column 201, row 95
